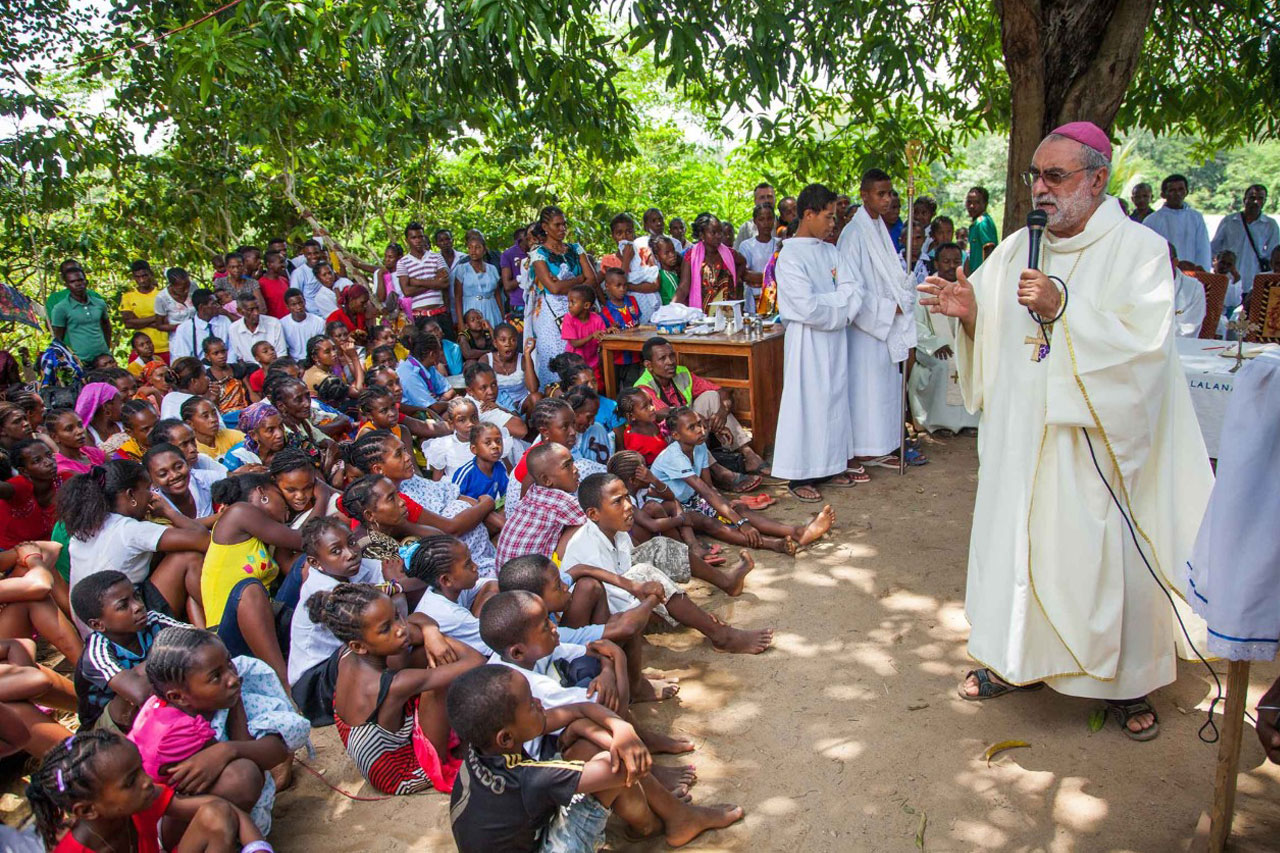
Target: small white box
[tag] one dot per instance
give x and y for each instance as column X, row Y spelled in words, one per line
column 728, row 315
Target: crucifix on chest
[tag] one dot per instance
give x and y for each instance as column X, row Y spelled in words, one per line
column 1039, row 343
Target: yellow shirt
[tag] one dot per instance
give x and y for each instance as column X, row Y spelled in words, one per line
column 227, row 565
column 226, row 439
column 401, row 355
column 143, row 305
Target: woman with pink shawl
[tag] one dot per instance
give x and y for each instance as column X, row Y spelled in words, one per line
column 709, row 271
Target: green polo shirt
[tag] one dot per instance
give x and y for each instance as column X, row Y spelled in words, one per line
column 83, row 324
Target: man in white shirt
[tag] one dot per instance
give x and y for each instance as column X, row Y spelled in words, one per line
column 1180, row 224
column 252, row 327
column 654, row 223
column 764, row 194
column 208, row 322
column 1251, row 235
column 299, row 326
column 424, row 278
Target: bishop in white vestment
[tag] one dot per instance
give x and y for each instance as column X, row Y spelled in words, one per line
column 1057, row 591
column 884, row 329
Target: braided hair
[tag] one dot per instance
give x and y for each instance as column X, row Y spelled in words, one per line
column 579, row 396
column 65, row 777
column 313, row 343
column 545, row 410
column 630, row 400
column 432, row 558
column 673, row 416
column 371, row 395
column 85, row 500
column 289, row 459
column 170, row 660
column 239, row 487
column 566, row 366
column 367, row 450
column 340, row 609
column 275, row 384
column 625, row 463
column 314, row 529
column 355, row 500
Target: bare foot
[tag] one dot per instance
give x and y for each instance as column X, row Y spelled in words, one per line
column 689, row 823
column 817, row 528
column 282, row 773
column 738, row 574
column 743, row 642
column 665, row 744
column 654, row 689
column 781, row 546
column 677, row 780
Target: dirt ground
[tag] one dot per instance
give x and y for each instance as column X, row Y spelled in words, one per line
column 848, row 735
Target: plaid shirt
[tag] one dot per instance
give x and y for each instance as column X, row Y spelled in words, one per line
column 534, row 524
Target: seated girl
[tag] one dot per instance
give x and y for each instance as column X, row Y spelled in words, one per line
column 455, row 592
column 105, row 512
column 156, row 381
column 641, row 433
column 435, row 503
column 350, row 359
column 292, row 401
column 384, row 336
column 240, row 575
column 28, row 492
column 448, row 453
column 553, row 420
column 333, row 411
column 685, row 468
column 305, row 493
column 378, row 411
column 214, row 724
column 92, row 795
column 28, row 691
column 486, row 396
column 593, row 440
column 574, row 370
column 76, row 455
column 175, row 432
column 99, row 405
column 189, row 492
column 517, row 379
column 139, row 419
column 424, row 384
column 476, row 337
column 189, row 380
column 324, row 360
column 419, row 422
column 213, row 439
column 228, row 391
column 391, row 717
column 263, row 437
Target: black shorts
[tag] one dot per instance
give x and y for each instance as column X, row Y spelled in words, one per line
column 313, row 692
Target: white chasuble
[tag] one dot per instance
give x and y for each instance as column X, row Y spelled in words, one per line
column 1056, row 588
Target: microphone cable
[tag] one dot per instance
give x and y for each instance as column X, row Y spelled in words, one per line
column 1219, row 694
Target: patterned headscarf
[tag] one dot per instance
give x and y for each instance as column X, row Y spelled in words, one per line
column 251, row 418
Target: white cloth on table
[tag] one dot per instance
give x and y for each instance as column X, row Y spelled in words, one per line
column 819, row 293
column 1188, row 305
column 1185, row 229
column 1056, row 588
column 1233, row 579
column 882, row 335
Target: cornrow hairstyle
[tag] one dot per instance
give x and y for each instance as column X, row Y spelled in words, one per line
column 566, row 366
column 528, row 573
column 160, row 432
column 313, row 344
column 546, row 409
column 579, row 396
column 17, row 453
column 480, row 702
column 382, row 351
column 423, row 344
column 55, row 413
column 274, row 385
column 239, row 487
column 432, row 558
column 476, row 368
column 367, row 450
column 625, row 463
column 186, row 370
column 377, row 375
column 333, row 325
column 355, row 500
column 170, row 660
column 290, row 459
column 372, row 395
column 630, row 400
column 673, row 417
column 506, row 618
column 135, row 407
column 456, row 404
column 188, row 408
column 159, row 450
column 340, row 609
column 29, row 401
column 65, row 777
column 476, row 431
column 333, row 390
column 281, row 364
column 314, row 529
column 85, row 500
column 86, row 597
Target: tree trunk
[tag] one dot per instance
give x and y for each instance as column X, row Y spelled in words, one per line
column 1068, row 60
column 330, row 244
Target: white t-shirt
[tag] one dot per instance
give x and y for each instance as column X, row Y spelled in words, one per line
column 758, row 254
column 200, row 484
column 309, row 643
column 547, row 688
column 454, row 617
column 588, row 546
column 171, row 404
column 123, row 544
column 174, row 312
column 296, row 334
column 448, row 453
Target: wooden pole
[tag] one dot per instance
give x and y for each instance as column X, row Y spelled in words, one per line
column 1224, row 783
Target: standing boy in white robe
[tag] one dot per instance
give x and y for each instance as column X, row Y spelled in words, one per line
column 884, row 330
column 818, row 296
column 1058, row 591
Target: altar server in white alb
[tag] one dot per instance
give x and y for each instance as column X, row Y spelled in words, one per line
column 818, row 296
column 932, row 389
column 884, row 330
column 1188, row 300
column 1057, row 591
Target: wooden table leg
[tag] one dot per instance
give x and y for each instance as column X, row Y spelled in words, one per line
column 1224, row 783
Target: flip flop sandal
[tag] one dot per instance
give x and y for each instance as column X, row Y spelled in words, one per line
column 989, row 688
column 759, row 501
column 1126, row 711
column 859, row 475
column 745, row 483
column 802, row 498
column 888, row 461
column 915, row 457
column 848, row 480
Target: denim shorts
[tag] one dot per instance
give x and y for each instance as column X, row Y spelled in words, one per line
column 577, row 827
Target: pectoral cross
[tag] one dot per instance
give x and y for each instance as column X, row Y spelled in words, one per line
column 1040, row 344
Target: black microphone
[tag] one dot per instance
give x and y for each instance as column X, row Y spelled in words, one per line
column 1036, row 221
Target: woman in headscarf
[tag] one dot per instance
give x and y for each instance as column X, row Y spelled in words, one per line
column 353, row 307
column 263, row 437
column 709, row 271
column 99, row 405
column 157, row 379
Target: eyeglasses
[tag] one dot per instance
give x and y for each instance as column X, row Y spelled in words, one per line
column 1051, row 177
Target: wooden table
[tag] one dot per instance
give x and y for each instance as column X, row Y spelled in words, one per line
column 749, row 367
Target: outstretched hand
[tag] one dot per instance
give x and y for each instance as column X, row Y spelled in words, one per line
column 949, row 298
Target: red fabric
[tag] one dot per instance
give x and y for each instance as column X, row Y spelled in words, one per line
column 273, row 292
column 697, row 387
column 360, row 322
column 256, row 379
column 22, row 519
column 145, row 822
column 648, row 446
column 522, row 468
